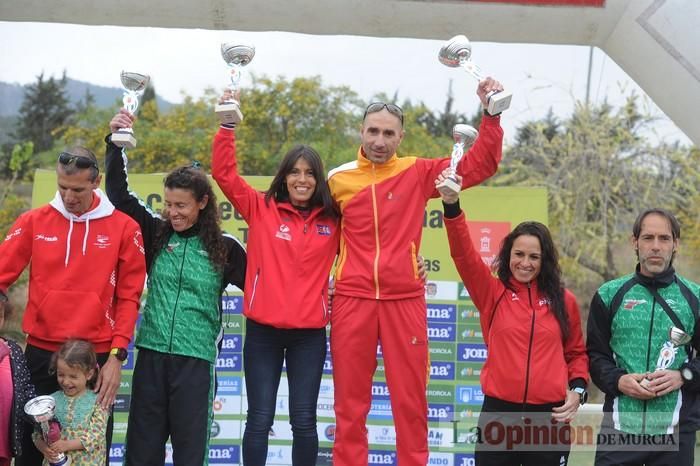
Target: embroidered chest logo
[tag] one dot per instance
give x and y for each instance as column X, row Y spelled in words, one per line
column 171, row 246
column 514, row 297
column 323, row 230
column 543, row 302
column 283, row 233
column 102, row 241
column 630, row 304
column 48, row 239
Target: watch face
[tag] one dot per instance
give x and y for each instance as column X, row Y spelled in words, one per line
column 687, row 374
column 121, row 354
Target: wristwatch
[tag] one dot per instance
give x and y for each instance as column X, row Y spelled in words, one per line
column 119, row 353
column 686, row 373
column 582, row 393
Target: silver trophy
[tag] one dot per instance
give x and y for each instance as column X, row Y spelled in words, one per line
column 236, row 57
column 464, row 137
column 667, row 354
column 455, row 53
column 42, row 411
column 134, row 84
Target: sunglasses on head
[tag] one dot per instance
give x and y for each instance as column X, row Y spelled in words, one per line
column 80, row 161
column 379, row 106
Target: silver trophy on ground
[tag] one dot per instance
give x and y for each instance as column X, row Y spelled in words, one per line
column 42, row 411
column 236, row 57
column 455, row 53
column 464, row 137
column 667, row 354
column 134, row 84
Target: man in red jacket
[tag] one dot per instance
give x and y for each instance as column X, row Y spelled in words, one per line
column 85, row 280
column 379, row 295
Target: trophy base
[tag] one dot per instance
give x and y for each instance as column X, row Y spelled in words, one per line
column 124, row 139
column 229, row 113
column 499, row 102
column 449, row 183
column 65, row 461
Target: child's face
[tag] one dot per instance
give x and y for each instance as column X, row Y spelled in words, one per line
column 73, row 380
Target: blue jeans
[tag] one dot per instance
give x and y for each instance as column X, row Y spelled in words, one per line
column 264, row 351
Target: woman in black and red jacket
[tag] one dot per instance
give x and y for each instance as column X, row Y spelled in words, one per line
column 537, row 362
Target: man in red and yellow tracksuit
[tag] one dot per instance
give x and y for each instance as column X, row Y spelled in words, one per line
column 379, row 296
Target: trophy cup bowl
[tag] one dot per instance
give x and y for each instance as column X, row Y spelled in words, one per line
column 456, row 53
column 678, row 337
column 236, row 56
column 41, row 410
column 134, row 84
column 464, row 134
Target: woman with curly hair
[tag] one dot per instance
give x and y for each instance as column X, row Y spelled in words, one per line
column 536, row 368
column 190, row 262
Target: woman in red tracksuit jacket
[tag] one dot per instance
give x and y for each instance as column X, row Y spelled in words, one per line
column 292, row 243
column 537, row 367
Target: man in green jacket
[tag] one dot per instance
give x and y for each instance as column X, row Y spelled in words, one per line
column 642, row 344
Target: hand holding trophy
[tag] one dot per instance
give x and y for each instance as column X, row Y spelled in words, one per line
column 464, row 137
column 667, row 353
column 455, row 53
column 41, row 410
column 134, row 84
column 236, row 57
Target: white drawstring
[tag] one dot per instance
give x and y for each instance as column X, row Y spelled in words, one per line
column 70, row 232
column 87, row 230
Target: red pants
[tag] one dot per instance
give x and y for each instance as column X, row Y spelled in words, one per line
column 400, row 325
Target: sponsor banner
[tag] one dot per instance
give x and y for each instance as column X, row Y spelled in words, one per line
column 380, row 390
column 224, row 404
column 439, row 393
column 442, row 313
column 232, row 304
column 381, row 458
column 440, row 437
column 232, row 323
column 326, row 431
column 229, row 362
column 442, row 370
column 470, row 333
column 380, row 354
column 380, row 409
column 116, row 453
column 125, row 384
column 440, row 459
column 442, row 351
column 469, row 395
column 469, row 371
column 467, row 313
column 224, row 454
column 326, row 390
column 441, row 290
column 441, row 332
column 324, row 408
column 325, row 457
column 381, row 435
column 487, row 238
column 122, row 403
column 279, row 454
column 226, row 429
column 462, row 292
column 232, row 343
column 472, row 352
column 465, row 459
column 328, row 365
column 440, row 412
column 467, row 412
column 119, row 428
column 229, row 384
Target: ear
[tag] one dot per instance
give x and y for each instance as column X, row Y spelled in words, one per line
column 203, row 203
column 90, row 374
column 635, row 243
column 97, row 181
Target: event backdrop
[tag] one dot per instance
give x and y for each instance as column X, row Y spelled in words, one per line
column 457, row 351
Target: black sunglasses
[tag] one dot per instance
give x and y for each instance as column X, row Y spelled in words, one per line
column 80, row 161
column 379, row 106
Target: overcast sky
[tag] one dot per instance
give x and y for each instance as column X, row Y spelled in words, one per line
column 188, row 60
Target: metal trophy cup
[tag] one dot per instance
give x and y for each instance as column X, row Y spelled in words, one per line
column 236, row 57
column 455, row 53
column 464, row 137
column 134, row 84
column 667, row 354
column 41, row 410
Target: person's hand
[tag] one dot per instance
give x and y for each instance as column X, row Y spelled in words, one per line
column 60, row 446
column 230, row 95
column 108, row 382
column 567, row 411
column 448, row 196
column 121, row 120
column 422, row 269
column 664, row 381
column 45, row 449
column 631, row 385
column 486, row 88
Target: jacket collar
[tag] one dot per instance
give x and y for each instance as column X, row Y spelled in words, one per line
column 364, row 163
column 661, row 280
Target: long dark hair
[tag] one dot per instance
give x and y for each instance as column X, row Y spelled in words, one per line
column 77, row 354
column 195, row 181
column 321, row 196
column 549, row 279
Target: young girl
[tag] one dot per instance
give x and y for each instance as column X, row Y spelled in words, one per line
column 83, row 421
column 15, row 391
